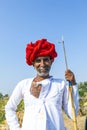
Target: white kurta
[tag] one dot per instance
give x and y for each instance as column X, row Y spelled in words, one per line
column 45, row 112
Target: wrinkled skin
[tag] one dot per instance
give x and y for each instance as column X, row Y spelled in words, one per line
column 43, row 66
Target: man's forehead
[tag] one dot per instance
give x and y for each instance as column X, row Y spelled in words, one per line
column 42, row 57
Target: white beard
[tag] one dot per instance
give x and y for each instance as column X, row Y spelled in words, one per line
column 43, row 74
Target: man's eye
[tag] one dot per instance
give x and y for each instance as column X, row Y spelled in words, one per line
column 46, row 60
column 37, row 60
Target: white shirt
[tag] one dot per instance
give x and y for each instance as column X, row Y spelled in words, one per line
column 45, row 112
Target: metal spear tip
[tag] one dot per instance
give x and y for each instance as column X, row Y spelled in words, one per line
column 62, row 39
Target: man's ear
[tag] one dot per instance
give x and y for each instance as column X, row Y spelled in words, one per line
column 52, row 61
column 33, row 64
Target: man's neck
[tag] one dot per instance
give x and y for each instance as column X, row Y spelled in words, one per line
column 40, row 78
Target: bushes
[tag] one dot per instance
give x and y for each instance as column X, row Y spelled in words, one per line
column 20, row 107
column 83, row 96
column 3, row 101
column 2, row 115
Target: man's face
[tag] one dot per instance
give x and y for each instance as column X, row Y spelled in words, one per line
column 43, row 65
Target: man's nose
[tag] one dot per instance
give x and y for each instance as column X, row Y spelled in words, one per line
column 42, row 63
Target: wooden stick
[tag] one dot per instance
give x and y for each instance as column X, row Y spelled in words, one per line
column 70, row 91
column 73, row 108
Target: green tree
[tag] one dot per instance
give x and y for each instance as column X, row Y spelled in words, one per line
column 6, row 95
column 1, row 95
column 82, row 89
column 83, row 96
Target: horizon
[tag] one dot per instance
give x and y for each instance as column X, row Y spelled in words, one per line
column 25, row 21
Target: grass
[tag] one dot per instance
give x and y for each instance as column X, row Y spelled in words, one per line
column 80, row 123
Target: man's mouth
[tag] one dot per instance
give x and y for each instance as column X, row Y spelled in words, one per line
column 43, row 69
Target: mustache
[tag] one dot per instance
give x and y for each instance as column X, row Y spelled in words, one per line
column 44, row 68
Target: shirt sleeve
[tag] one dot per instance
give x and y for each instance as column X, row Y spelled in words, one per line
column 11, row 106
column 67, row 104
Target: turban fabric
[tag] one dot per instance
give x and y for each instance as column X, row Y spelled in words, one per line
column 39, row 48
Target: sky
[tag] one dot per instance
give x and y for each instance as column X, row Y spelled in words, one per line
column 23, row 21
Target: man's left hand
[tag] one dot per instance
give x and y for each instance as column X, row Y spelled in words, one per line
column 69, row 76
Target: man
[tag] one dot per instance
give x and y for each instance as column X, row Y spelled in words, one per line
column 44, row 96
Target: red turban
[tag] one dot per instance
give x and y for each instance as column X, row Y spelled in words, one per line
column 39, row 48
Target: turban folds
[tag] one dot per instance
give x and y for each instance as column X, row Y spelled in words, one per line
column 39, row 48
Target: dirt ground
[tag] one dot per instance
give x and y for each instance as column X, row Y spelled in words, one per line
column 80, row 123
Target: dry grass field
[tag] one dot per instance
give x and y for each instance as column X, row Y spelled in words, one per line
column 80, row 123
